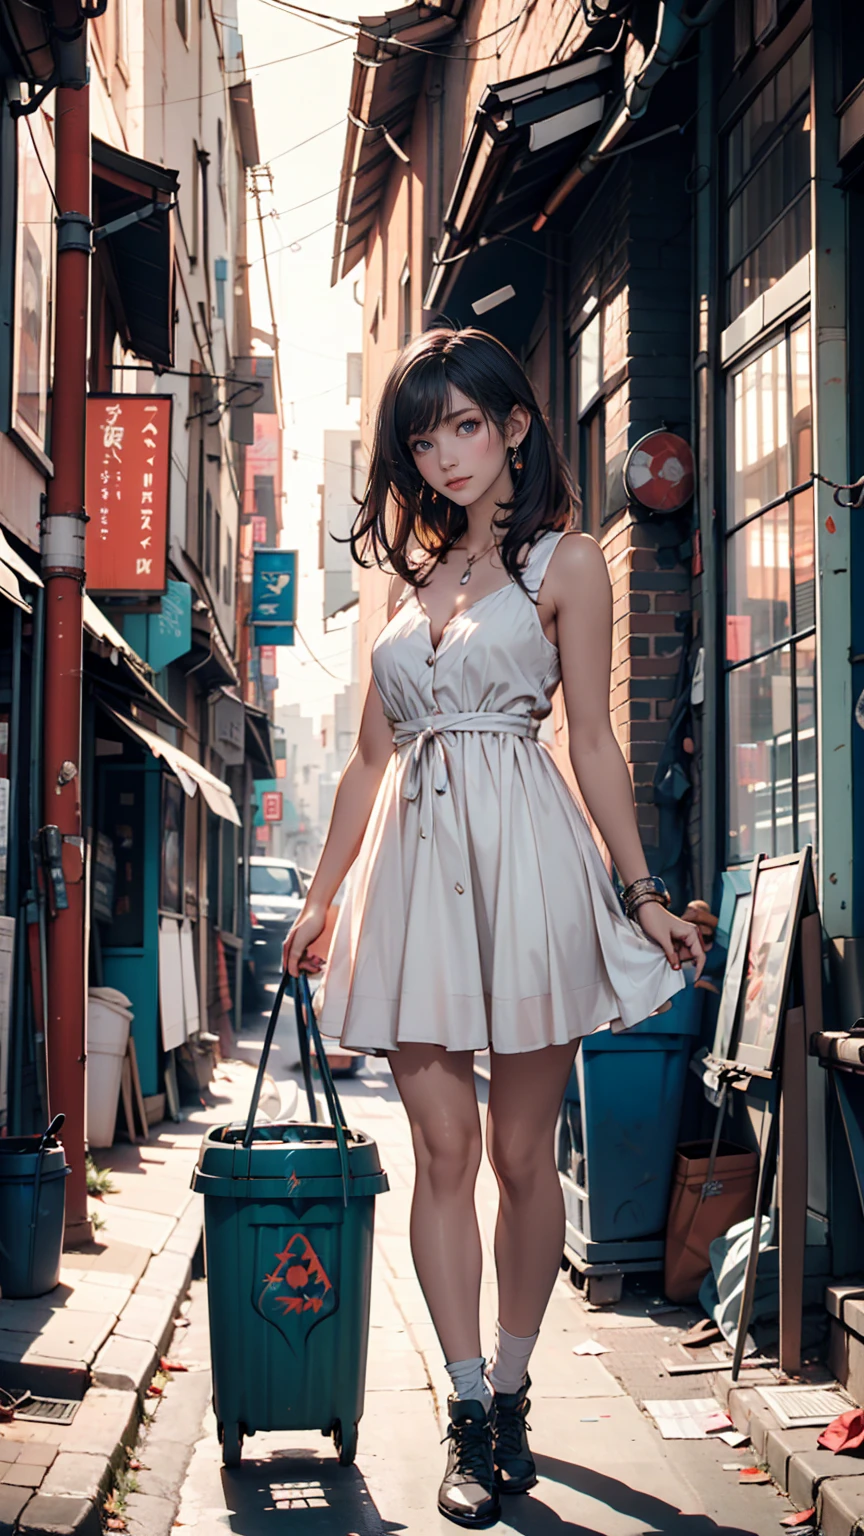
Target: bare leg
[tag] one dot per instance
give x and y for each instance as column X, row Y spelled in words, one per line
column 437, row 1090
column 525, row 1096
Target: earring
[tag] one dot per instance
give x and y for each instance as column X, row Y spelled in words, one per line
column 516, row 459
column 434, row 498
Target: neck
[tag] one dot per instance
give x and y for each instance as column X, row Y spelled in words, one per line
column 481, row 514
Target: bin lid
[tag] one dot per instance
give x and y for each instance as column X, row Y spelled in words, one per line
column 110, row 995
column 292, row 1160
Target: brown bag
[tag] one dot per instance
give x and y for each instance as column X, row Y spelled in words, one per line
column 706, row 1201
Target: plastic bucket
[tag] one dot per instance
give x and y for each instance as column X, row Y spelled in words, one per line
column 109, row 1018
column 32, row 1215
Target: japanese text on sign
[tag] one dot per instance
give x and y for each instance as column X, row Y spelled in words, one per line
column 128, row 454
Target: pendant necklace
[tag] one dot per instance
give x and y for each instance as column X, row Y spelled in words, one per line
column 471, row 562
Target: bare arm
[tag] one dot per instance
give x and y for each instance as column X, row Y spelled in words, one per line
column 352, row 807
column 578, row 585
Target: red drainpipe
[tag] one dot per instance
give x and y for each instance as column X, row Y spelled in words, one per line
column 63, row 570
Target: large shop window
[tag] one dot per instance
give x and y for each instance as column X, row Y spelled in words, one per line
column 770, row 608
column 768, row 184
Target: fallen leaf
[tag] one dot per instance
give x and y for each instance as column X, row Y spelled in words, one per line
column 182, row 1322
column 171, row 1365
column 154, row 1392
column 136, row 1466
column 802, row 1518
column 753, row 1475
column 115, row 1523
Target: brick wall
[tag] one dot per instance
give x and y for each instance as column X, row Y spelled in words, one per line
column 631, row 246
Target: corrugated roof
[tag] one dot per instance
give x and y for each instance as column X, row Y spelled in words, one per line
column 384, row 86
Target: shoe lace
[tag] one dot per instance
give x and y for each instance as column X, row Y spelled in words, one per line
column 510, row 1425
column 471, row 1441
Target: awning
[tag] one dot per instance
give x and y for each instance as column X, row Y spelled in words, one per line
column 243, row 108
column 193, row 776
column 524, row 137
column 259, row 743
column 134, row 241
column 114, row 666
column 389, row 64
column 13, row 565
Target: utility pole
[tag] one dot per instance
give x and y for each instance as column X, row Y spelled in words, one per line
column 63, row 571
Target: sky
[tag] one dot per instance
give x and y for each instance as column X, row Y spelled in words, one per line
column 294, row 100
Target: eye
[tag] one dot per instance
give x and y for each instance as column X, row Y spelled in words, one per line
column 469, row 426
column 422, row 445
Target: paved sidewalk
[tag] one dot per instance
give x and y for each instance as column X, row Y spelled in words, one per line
column 98, row 1337
column 604, row 1469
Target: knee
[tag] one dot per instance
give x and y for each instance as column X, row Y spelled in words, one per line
column 449, row 1162
column 520, row 1165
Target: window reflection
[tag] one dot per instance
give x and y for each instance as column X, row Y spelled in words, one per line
column 760, row 432
column 768, row 169
column 760, row 757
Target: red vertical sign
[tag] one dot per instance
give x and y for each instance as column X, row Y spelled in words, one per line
column 128, row 460
column 271, row 804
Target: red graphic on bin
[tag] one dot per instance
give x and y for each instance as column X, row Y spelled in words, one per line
column 298, row 1293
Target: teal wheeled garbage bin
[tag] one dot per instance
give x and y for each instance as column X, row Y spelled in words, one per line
column 617, row 1136
column 288, row 1226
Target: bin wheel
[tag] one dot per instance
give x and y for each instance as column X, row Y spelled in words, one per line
column 232, row 1444
column 345, row 1443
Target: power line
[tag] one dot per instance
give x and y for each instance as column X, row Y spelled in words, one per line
column 344, row 682
column 48, row 181
column 323, row 19
column 340, row 123
column 288, row 58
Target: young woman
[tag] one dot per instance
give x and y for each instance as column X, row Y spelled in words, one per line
column 479, row 912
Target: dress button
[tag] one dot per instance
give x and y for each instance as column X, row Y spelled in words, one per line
column 430, row 661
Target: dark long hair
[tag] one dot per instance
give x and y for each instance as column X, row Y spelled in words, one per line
column 398, row 506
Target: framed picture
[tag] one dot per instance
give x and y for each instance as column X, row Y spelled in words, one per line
column 778, row 894
column 731, row 994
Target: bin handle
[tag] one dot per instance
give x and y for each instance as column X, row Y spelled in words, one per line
column 307, row 1028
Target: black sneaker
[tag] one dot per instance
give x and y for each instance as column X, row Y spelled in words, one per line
column 515, row 1471
column 469, row 1494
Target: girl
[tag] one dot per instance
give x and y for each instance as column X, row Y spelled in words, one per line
column 479, row 912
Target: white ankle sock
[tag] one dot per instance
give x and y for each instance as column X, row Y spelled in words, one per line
column 510, row 1360
column 469, row 1381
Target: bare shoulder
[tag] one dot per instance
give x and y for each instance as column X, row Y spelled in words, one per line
column 577, row 571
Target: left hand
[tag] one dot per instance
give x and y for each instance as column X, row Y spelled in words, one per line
column 679, row 940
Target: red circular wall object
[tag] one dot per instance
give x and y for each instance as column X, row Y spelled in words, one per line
column 658, row 472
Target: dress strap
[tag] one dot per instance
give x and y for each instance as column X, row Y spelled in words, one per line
column 538, row 560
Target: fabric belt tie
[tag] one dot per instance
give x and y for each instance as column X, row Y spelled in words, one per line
column 425, row 736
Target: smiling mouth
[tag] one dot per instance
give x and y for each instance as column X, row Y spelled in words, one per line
column 457, row 484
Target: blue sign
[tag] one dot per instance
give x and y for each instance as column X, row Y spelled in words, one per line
column 274, row 596
column 169, row 633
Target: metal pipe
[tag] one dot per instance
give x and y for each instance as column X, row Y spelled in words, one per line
column 706, row 289
column 63, row 570
column 36, row 902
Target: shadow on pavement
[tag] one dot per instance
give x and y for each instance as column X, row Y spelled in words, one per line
column 648, row 1512
column 322, row 1498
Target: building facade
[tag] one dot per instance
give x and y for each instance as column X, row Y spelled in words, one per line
column 174, row 735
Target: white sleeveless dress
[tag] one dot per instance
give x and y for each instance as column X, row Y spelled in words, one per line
column 479, row 910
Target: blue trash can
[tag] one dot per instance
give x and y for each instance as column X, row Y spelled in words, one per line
column 618, row 1132
column 288, row 1227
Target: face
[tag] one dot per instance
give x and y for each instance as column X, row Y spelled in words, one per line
column 465, row 455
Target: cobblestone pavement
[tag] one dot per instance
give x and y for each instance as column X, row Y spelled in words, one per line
column 604, row 1469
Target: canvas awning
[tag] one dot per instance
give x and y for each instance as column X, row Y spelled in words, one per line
column 13, row 565
column 134, row 241
column 525, row 134
column 193, row 776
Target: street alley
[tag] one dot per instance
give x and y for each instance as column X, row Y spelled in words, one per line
column 604, row 1469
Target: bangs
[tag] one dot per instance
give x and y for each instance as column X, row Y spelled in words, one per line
column 423, row 398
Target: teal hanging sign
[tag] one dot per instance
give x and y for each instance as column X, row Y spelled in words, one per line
column 274, row 596
column 169, row 633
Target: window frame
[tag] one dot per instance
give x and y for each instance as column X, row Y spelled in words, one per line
column 797, row 635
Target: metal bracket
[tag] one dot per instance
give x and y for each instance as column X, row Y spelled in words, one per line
column 74, row 231
column 114, row 228
column 63, row 544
